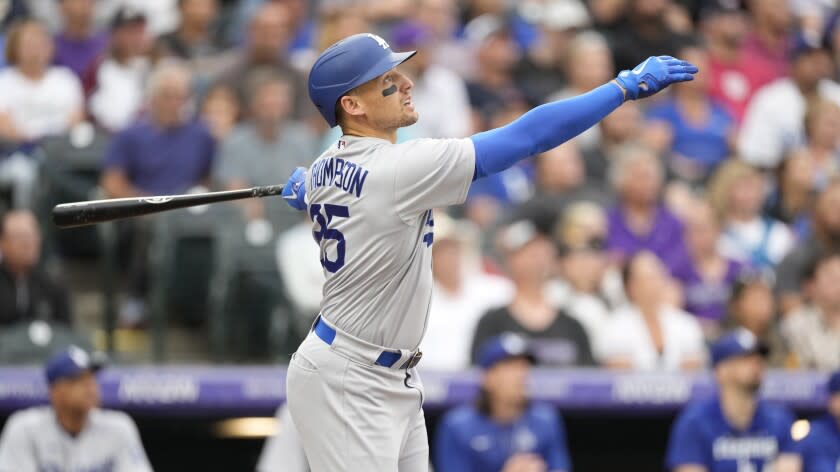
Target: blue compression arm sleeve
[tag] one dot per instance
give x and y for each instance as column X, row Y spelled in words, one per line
column 542, row 128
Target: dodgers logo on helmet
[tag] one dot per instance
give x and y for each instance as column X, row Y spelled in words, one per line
column 379, row 40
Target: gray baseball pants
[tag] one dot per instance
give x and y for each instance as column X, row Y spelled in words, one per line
column 353, row 415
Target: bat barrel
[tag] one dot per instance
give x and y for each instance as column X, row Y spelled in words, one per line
column 70, row 215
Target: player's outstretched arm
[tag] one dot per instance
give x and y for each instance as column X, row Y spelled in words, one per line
column 552, row 124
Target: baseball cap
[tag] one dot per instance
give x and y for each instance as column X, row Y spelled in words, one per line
column 71, row 363
column 739, row 342
column 834, row 383
column 127, row 15
column 502, row 347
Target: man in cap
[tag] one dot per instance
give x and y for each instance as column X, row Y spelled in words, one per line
column 821, row 448
column 503, row 431
column 734, row 431
column 71, row 434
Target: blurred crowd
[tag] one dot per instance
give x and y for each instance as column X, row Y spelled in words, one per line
column 632, row 246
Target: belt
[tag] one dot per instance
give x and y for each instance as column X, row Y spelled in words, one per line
column 385, row 359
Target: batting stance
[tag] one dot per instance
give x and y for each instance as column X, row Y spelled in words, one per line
column 352, row 387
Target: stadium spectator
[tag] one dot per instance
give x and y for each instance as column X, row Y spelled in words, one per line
column 27, row 292
column 304, row 23
column 737, row 193
column 220, row 110
column 461, row 294
column 820, row 450
column 195, row 37
column 587, row 65
column 622, row 126
column 582, row 288
column 822, row 140
column 714, row 434
column 266, row 48
column 561, row 179
column 38, row 99
column 733, row 75
column 700, row 130
column 441, row 17
column 267, row 147
column 503, row 431
column 164, row 153
column 650, row 333
column 433, row 85
column 639, row 221
column 79, row 43
column 752, row 307
column 541, row 70
column 768, row 39
column 813, row 331
column 706, row 276
column 825, row 236
column 793, row 199
column 72, row 431
column 645, row 33
column 493, row 89
column 115, row 83
column 557, row 338
column 773, row 124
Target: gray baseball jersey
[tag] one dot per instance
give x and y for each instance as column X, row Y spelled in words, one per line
column 33, row 441
column 371, row 204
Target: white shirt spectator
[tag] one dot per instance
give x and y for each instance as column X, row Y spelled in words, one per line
column 626, row 336
column 771, row 238
column 773, row 123
column 42, row 107
column 442, row 96
column 453, row 318
column 590, row 311
column 118, row 97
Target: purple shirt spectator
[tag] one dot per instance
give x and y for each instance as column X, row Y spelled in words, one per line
column 78, row 54
column 706, row 298
column 665, row 238
column 162, row 161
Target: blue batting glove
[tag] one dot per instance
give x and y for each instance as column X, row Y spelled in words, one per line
column 294, row 192
column 654, row 75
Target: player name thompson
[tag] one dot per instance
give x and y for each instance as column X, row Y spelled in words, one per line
column 346, row 175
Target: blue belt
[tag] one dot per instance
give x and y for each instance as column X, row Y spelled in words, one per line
column 386, row 359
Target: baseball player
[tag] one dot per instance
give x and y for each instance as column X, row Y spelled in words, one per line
column 503, row 431
column 72, row 434
column 734, row 431
column 352, row 386
column 821, row 448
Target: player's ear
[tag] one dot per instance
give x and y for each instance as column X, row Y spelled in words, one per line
column 351, row 105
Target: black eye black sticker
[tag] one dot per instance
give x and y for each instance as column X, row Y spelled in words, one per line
column 389, row 91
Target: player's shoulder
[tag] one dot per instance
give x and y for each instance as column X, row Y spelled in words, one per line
column 30, row 419
column 112, row 420
column 776, row 413
column 462, row 417
column 542, row 414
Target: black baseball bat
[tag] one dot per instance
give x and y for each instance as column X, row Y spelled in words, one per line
column 70, row 215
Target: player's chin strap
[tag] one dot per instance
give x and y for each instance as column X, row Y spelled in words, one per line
column 552, row 124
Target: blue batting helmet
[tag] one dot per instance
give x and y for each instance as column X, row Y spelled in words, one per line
column 347, row 64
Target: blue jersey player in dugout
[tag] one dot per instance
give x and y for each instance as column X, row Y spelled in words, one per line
column 503, row 431
column 734, row 431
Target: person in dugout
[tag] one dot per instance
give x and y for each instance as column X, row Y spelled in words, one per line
column 503, row 431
